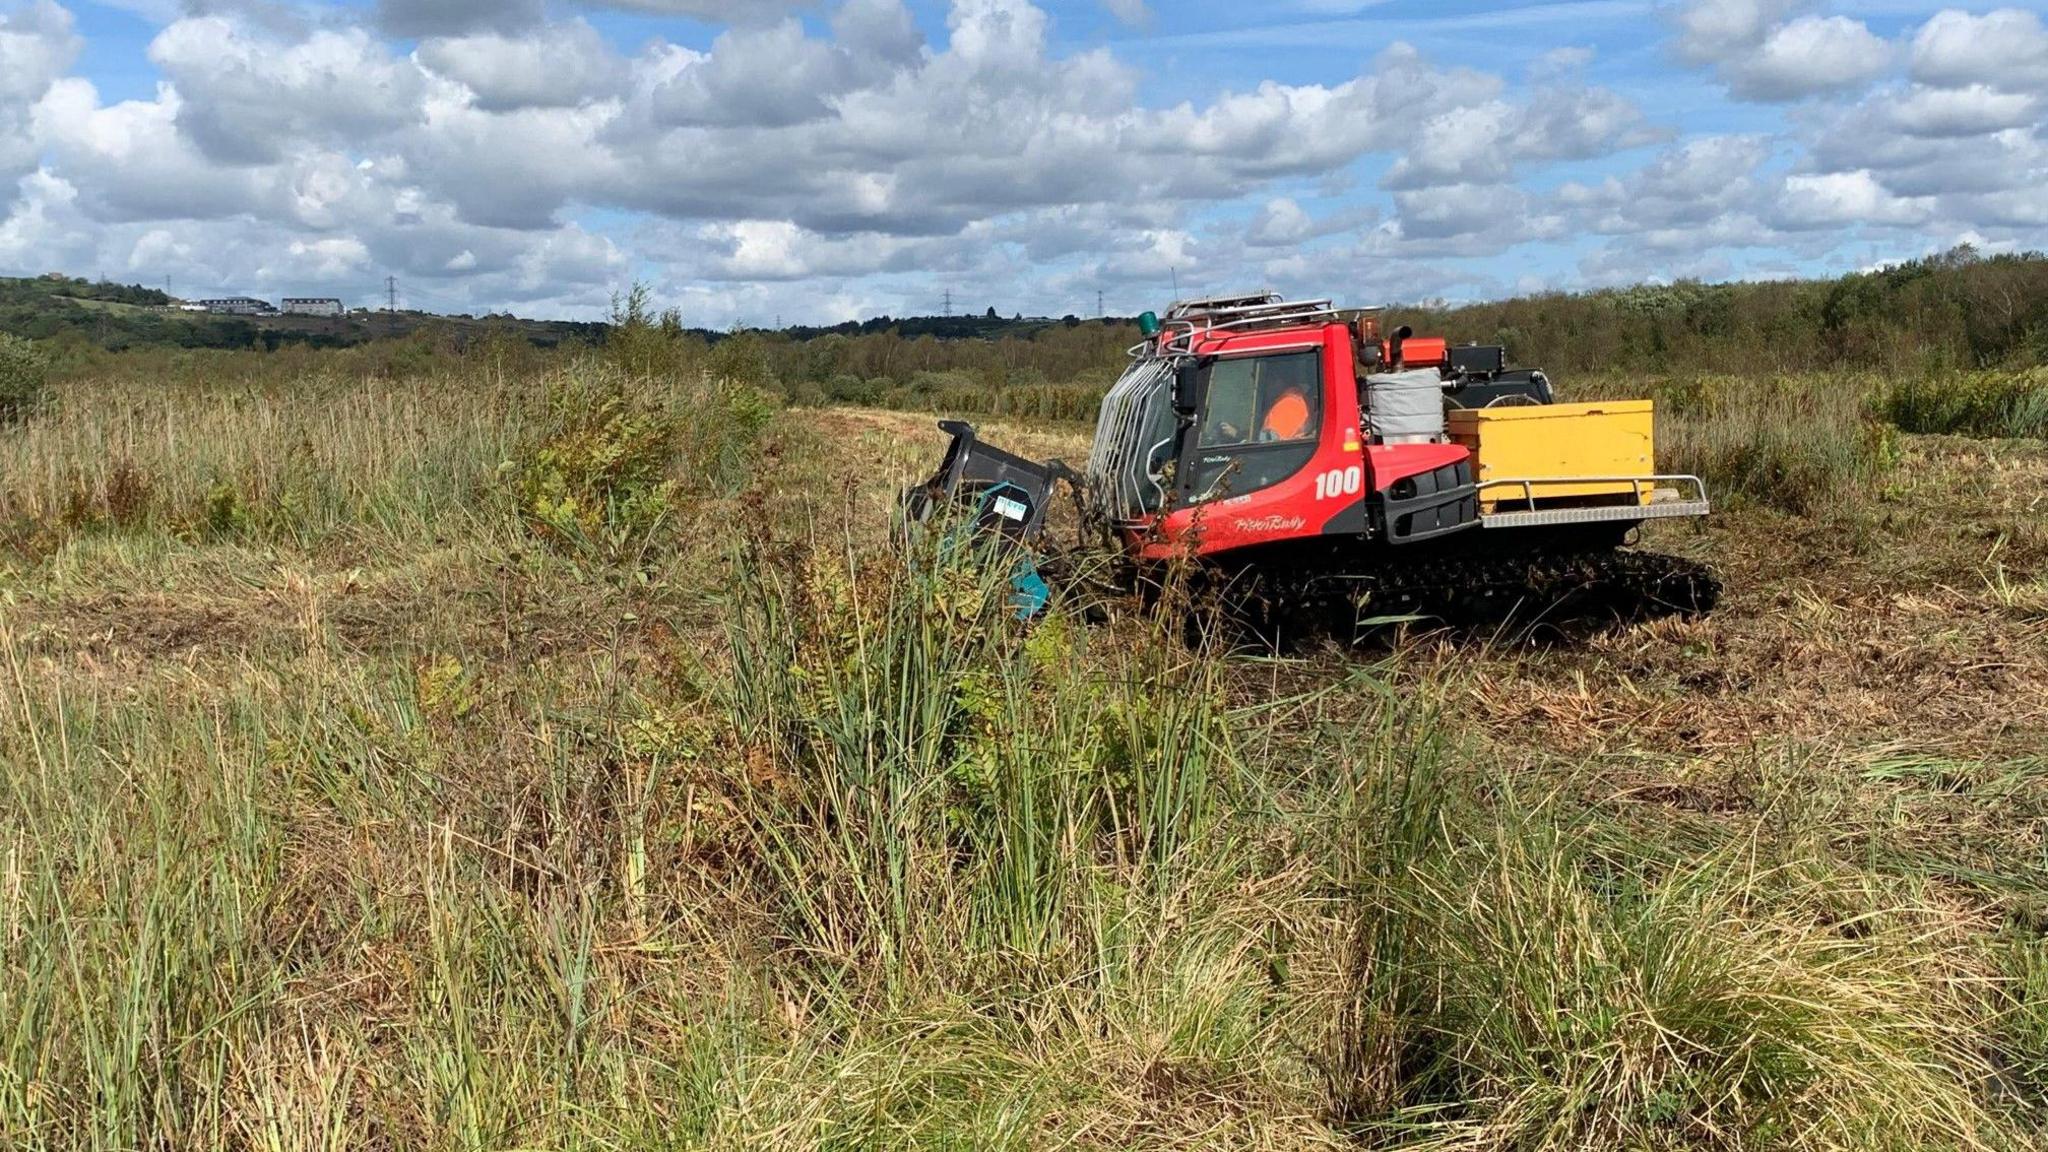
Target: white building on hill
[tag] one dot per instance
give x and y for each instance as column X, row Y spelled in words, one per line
column 239, row 306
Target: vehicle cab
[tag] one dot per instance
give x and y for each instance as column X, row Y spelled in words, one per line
column 1241, row 422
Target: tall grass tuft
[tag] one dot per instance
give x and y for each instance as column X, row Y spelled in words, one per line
column 1798, row 444
column 935, row 780
column 1542, row 993
column 1971, row 403
column 2023, row 1023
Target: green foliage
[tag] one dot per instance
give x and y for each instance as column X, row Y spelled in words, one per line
column 597, row 480
column 1954, row 312
column 724, row 428
column 88, row 324
column 808, row 394
column 850, row 389
column 224, row 513
column 1050, row 370
column 643, row 343
column 609, row 470
column 23, row 374
column 74, row 288
column 1957, row 310
column 1971, row 403
column 741, row 358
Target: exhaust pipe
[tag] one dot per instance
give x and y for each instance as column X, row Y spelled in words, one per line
column 1395, row 345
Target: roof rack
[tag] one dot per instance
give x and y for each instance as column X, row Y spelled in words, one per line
column 1185, row 319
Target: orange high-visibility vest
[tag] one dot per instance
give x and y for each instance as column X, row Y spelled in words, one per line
column 1287, row 419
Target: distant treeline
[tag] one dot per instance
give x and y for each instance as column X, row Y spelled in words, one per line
column 1958, row 310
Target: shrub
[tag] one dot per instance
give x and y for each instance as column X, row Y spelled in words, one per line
column 723, row 424
column 224, row 513
column 928, row 383
column 849, row 389
column 617, row 454
column 23, row 373
column 597, row 480
column 1971, row 403
column 644, row 343
column 808, row 394
column 741, row 358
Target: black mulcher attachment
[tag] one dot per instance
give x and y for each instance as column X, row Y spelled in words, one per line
column 1006, row 496
column 1007, row 493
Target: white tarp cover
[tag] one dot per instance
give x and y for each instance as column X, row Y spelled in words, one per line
column 1405, row 406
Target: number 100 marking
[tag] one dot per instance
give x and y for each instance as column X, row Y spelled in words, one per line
column 1339, row 482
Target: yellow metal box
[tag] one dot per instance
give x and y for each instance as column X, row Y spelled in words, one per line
column 1568, row 450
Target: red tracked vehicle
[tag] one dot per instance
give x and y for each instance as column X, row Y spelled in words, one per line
column 1293, row 448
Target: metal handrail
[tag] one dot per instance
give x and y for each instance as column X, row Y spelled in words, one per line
column 1152, row 477
column 1183, row 343
column 1178, row 332
column 1528, row 485
column 1192, row 309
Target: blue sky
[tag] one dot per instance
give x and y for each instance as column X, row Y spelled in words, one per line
column 841, row 158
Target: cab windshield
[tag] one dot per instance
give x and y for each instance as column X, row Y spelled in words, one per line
column 1262, row 400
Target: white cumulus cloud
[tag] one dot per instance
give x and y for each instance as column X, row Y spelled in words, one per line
column 1767, row 50
column 560, row 65
column 2006, row 49
column 822, row 157
column 1846, row 198
column 1812, row 54
column 37, row 44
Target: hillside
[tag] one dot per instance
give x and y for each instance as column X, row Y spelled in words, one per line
column 75, row 314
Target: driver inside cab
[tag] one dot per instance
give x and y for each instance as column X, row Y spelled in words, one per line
column 1287, row 417
column 1257, row 400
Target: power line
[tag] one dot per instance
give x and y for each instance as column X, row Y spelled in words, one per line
column 949, row 303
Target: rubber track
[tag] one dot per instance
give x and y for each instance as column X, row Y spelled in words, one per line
column 1608, row 584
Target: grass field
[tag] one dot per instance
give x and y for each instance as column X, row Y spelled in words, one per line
column 571, row 762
